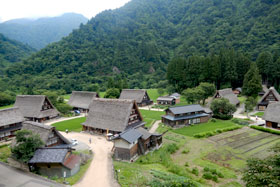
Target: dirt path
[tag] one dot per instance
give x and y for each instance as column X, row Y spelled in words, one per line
column 154, row 127
column 99, row 173
column 150, row 108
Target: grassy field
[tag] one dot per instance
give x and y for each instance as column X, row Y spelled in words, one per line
column 225, row 153
column 153, row 94
column 151, row 116
column 205, row 127
column 242, row 99
column 8, row 106
column 259, row 114
column 71, row 125
column 5, row 153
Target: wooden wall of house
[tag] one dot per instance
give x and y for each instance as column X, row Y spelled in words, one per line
column 204, row 119
column 272, row 125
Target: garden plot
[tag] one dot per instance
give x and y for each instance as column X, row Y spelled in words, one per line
column 247, row 142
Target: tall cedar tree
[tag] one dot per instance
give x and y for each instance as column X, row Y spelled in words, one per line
column 252, row 83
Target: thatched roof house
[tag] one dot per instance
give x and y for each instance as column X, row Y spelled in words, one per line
column 271, row 115
column 228, row 94
column 48, row 134
column 114, row 115
column 10, row 121
column 36, row 107
column 81, row 100
column 55, row 161
column 140, row 96
column 269, row 97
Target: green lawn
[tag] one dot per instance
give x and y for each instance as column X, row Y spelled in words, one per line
column 205, row 127
column 66, row 96
column 71, row 125
column 259, row 114
column 151, row 116
column 153, row 94
column 5, row 153
column 242, row 99
column 8, row 106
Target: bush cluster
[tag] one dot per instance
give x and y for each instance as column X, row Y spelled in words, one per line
column 212, row 133
column 212, row 174
column 265, row 129
column 240, row 121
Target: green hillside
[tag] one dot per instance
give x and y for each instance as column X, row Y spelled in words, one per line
column 137, row 40
column 12, row 51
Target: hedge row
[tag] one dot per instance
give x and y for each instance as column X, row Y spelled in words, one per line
column 265, row 129
column 212, row 133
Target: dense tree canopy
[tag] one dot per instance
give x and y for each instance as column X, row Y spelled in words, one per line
column 139, row 39
column 222, row 108
column 252, row 83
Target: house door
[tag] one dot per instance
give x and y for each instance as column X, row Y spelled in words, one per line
column 274, row 125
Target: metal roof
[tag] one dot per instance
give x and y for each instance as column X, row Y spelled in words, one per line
column 49, row 155
column 185, row 109
column 172, row 118
column 131, row 135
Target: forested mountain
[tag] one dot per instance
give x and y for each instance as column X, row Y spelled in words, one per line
column 139, row 39
column 40, row 32
column 12, row 51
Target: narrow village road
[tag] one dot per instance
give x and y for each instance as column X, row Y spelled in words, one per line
column 52, row 121
column 154, row 127
column 100, row 172
column 150, row 108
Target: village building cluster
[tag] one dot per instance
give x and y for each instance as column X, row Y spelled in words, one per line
column 119, row 119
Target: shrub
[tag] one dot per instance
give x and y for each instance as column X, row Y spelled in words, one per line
column 207, row 175
column 265, row 129
column 213, row 171
column 206, row 169
column 195, row 171
column 215, row 178
column 185, row 151
column 213, row 120
column 172, row 148
column 220, row 175
column 240, row 121
column 187, row 164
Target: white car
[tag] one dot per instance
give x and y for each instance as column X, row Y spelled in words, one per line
column 74, row 142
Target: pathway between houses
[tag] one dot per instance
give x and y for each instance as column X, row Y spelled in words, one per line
column 100, row 172
column 154, row 127
column 150, row 108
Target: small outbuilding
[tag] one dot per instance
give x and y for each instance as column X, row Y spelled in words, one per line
column 52, row 162
column 185, row 115
column 272, row 116
column 166, row 100
column 140, row 96
column 228, row 94
column 271, row 96
column 11, row 120
column 112, row 116
column 177, row 96
column 134, row 142
column 80, row 100
column 36, row 107
column 48, row 134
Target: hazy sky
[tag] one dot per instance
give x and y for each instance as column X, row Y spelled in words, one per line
column 11, row 9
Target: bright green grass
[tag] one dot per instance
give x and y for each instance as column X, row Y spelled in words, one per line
column 205, row 127
column 8, row 106
column 242, row 99
column 71, row 125
column 259, row 114
column 75, row 178
column 153, row 94
column 151, row 116
column 5, row 153
column 66, row 96
column 101, row 94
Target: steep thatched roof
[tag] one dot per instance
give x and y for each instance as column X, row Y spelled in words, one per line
column 31, row 106
column 272, row 112
column 132, row 94
column 82, row 99
column 111, row 114
column 228, row 94
column 269, row 91
column 43, row 130
column 10, row 116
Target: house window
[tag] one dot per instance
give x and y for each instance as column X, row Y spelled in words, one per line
column 278, row 126
column 198, row 120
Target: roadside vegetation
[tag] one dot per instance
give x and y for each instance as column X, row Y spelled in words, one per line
column 5, row 153
column 71, row 125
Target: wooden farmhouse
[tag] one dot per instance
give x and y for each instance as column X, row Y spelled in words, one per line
column 176, row 96
column 36, row 107
column 48, row 134
column 134, row 142
column 271, row 96
column 80, row 100
column 52, row 162
column 185, row 115
column 272, row 116
column 11, row 120
column 166, row 100
column 140, row 96
column 228, row 94
column 112, row 116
